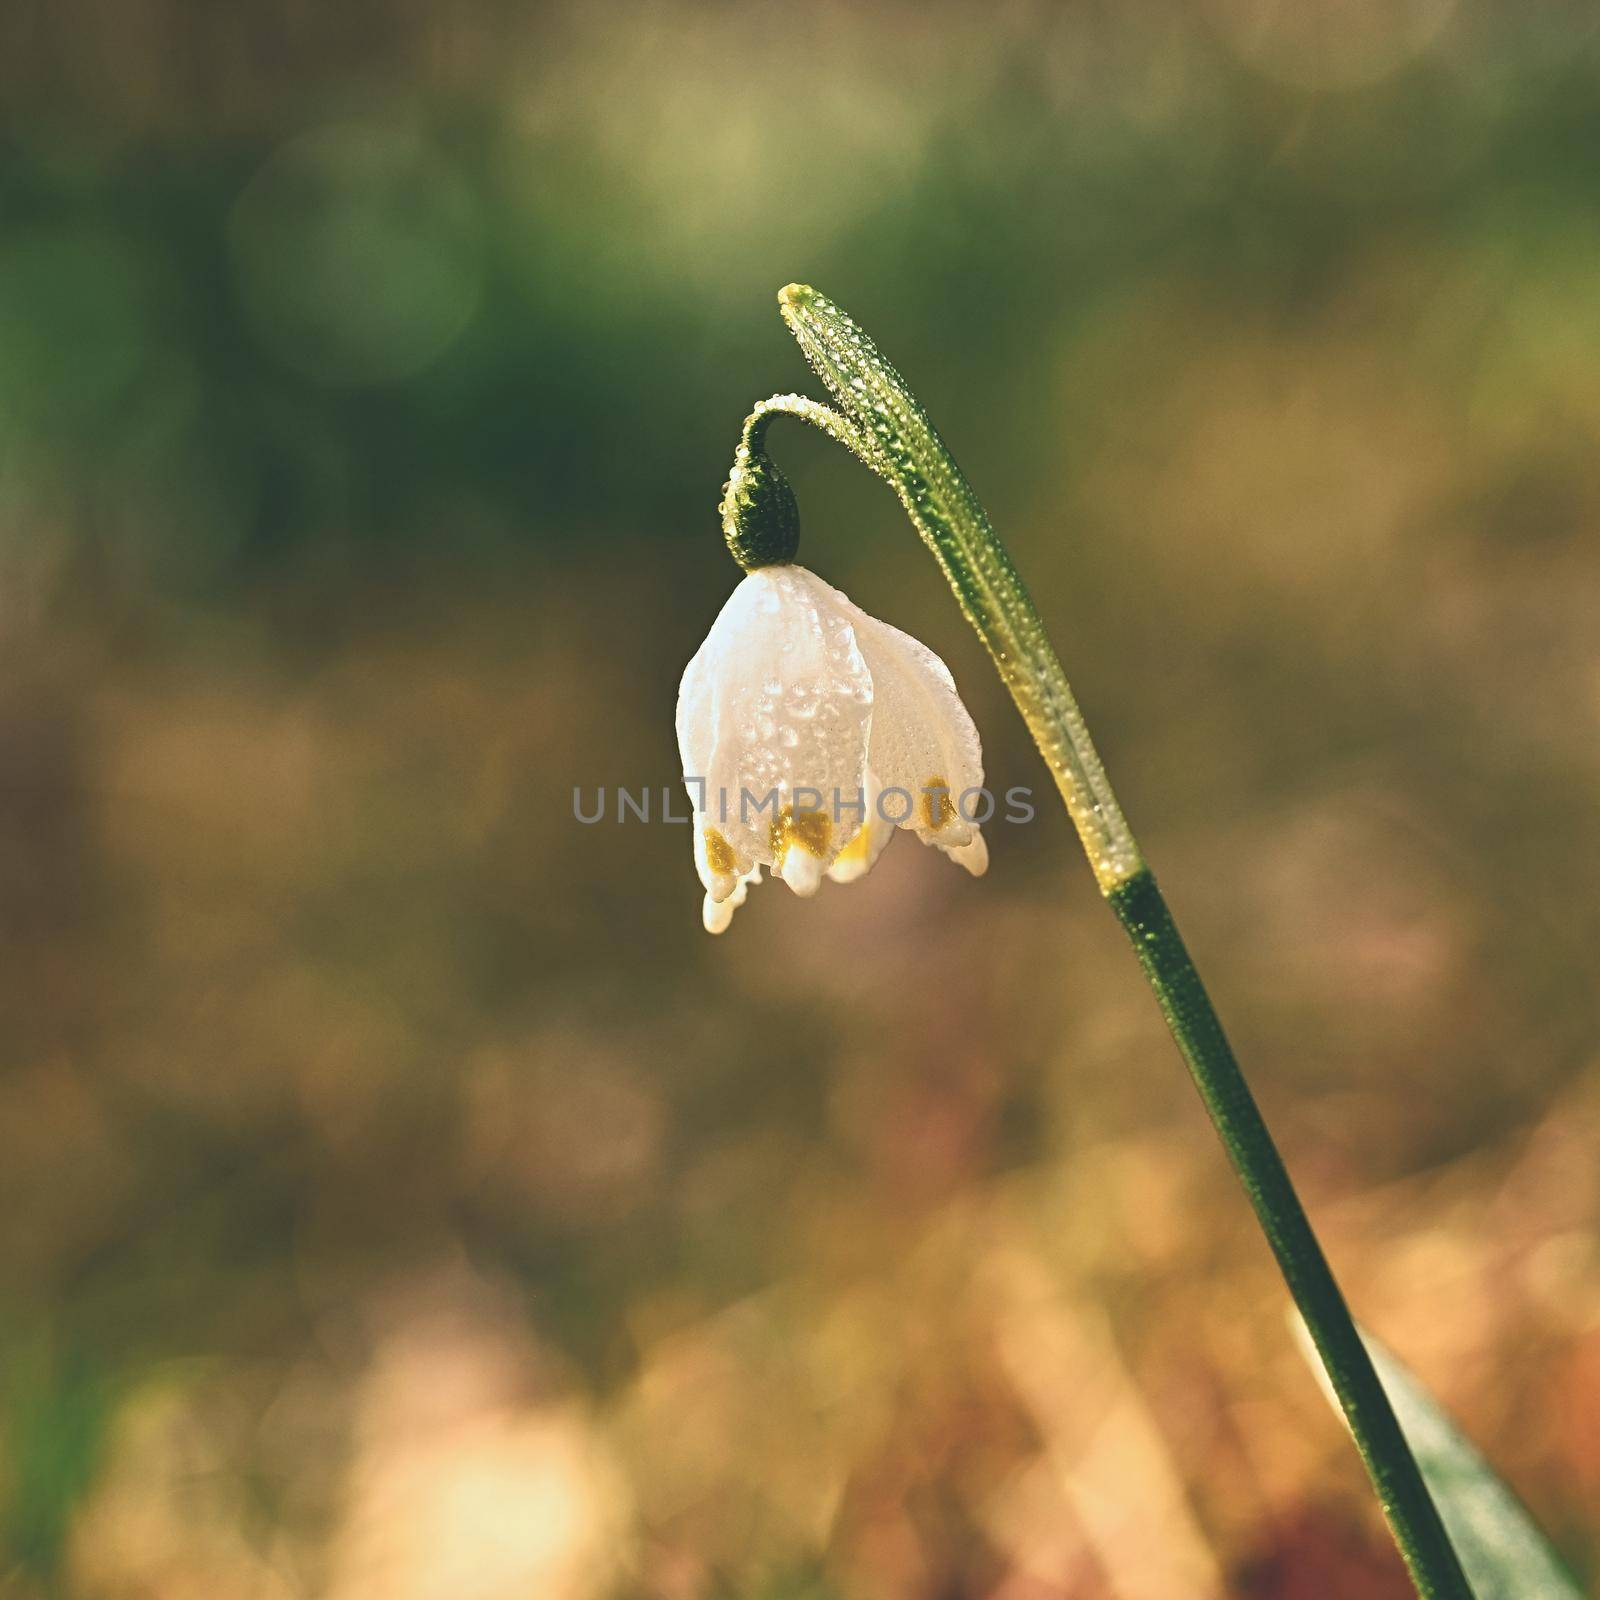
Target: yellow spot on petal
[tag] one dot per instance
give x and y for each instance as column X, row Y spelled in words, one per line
column 857, row 851
column 810, row 830
column 719, row 853
column 938, row 805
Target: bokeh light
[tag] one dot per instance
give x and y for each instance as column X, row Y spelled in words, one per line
column 358, row 254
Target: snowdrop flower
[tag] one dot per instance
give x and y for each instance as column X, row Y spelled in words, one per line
column 809, row 732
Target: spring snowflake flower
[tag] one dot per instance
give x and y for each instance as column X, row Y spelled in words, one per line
column 809, row 732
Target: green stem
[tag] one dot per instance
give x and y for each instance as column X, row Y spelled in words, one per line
column 885, row 426
column 1142, row 909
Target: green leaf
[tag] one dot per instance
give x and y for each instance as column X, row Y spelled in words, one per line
column 890, row 431
column 1505, row 1555
column 55, row 1408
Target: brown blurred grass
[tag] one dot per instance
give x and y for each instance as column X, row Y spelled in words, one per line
column 444, row 1210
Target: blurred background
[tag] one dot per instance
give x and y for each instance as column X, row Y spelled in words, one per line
column 399, row 1195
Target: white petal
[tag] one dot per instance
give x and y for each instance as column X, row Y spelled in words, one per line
column 717, row 914
column 793, row 693
column 719, row 863
column 973, row 855
column 802, row 870
column 858, row 857
column 696, row 734
column 721, row 867
column 923, row 742
column 791, row 703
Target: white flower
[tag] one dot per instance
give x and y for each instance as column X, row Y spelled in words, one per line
column 809, row 731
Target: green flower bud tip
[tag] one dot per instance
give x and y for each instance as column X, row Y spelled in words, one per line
column 760, row 517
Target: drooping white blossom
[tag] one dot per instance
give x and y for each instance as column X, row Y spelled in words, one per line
column 809, row 732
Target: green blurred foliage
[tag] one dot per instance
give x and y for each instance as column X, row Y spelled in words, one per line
column 398, row 1195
